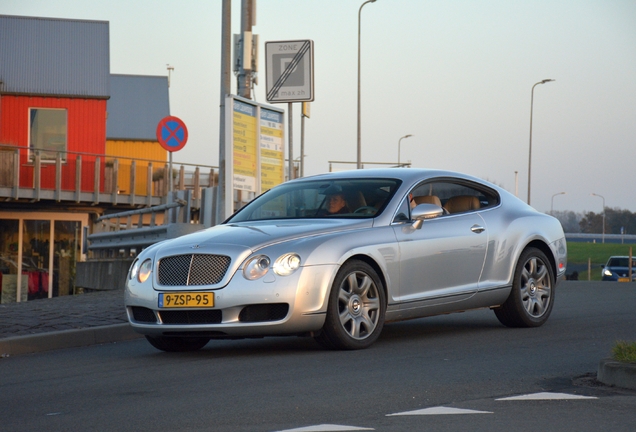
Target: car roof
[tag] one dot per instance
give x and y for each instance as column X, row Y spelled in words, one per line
column 405, row 174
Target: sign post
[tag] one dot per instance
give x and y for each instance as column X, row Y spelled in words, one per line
column 172, row 134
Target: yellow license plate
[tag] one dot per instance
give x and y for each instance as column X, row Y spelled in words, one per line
column 623, row 279
column 186, row 300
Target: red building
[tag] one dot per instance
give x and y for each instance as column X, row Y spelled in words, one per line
column 54, row 89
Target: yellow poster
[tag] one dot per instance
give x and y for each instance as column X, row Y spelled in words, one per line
column 272, row 145
column 244, row 138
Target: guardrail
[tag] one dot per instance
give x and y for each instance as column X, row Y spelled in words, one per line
column 125, row 234
column 598, row 238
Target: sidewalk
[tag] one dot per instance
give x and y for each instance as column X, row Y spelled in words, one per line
column 63, row 322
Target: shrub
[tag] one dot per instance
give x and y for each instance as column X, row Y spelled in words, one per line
column 624, row 352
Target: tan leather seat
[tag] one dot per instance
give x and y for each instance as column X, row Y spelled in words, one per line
column 427, row 199
column 355, row 200
column 462, row 203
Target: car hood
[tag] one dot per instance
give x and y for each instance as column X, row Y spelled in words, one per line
column 258, row 234
column 240, row 240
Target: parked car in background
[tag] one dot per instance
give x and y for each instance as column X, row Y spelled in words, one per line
column 617, row 269
column 334, row 256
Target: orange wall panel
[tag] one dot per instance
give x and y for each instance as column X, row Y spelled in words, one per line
column 144, row 152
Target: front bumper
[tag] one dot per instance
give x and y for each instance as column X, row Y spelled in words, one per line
column 272, row 305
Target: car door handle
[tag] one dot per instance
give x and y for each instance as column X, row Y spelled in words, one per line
column 477, row 229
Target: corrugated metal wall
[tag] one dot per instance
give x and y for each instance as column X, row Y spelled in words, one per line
column 136, row 150
column 48, row 56
column 137, row 103
column 86, row 132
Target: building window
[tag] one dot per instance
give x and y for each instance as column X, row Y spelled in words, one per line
column 39, row 253
column 47, row 133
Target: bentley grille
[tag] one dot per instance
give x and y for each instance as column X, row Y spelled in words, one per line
column 193, row 269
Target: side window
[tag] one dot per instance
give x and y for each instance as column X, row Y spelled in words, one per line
column 456, row 196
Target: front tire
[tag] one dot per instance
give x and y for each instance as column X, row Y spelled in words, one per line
column 356, row 308
column 177, row 344
column 532, row 297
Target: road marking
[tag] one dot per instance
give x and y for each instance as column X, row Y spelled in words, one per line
column 327, row 428
column 439, row 411
column 546, row 396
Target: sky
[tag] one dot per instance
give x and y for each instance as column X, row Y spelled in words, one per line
column 457, row 75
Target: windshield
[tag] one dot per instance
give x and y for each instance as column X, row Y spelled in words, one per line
column 620, row 262
column 345, row 198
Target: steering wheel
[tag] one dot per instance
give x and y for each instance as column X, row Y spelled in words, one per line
column 366, row 210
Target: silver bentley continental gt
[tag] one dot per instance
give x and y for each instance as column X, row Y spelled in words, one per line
column 335, row 256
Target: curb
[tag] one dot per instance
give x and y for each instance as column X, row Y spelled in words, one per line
column 66, row 339
column 617, row 374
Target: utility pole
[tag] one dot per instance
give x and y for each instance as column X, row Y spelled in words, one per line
column 226, row 70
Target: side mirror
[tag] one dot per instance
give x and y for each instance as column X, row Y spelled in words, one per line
column 425, row 211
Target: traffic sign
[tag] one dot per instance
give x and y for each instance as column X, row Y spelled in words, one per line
column 289, row 67
column 172, row 133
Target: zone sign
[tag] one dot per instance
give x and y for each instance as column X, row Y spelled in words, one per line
column 289, row 71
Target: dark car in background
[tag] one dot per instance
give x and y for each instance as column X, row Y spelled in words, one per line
column 617, row 269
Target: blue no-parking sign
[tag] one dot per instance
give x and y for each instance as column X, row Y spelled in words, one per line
column 172, row 133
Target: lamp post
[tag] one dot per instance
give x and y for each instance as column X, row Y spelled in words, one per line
column 603, row 198
column 359, row 152
column 552, row 204
column 405, row 136
column 530, row 147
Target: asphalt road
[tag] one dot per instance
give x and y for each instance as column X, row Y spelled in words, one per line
column 462, row 361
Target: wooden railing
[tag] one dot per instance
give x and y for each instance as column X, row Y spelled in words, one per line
column 95, row 178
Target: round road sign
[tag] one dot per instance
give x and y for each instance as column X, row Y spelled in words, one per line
column 172, row 133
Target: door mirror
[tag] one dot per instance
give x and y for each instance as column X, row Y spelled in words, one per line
column 425, row 211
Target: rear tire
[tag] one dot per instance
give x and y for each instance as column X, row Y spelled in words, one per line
column 177, row 344
column 356, row 308
column 532, row 296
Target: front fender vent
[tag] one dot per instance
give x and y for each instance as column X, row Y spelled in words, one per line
column 192, row 269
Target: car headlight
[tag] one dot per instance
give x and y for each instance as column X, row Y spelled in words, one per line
column 607, row 272
column 144, row 271
column 256, row 267
column 287, row 264
column 134, row 268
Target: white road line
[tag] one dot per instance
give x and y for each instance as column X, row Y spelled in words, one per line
column 546, row 396
column 439, row 411
column 327, row 428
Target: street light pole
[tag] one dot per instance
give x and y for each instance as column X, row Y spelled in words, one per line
column 603, row 198
column 552, row 204
column 405, row 136
column 359, row 152
column 530, row 147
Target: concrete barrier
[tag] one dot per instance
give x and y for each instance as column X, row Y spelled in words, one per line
column 617, row 374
